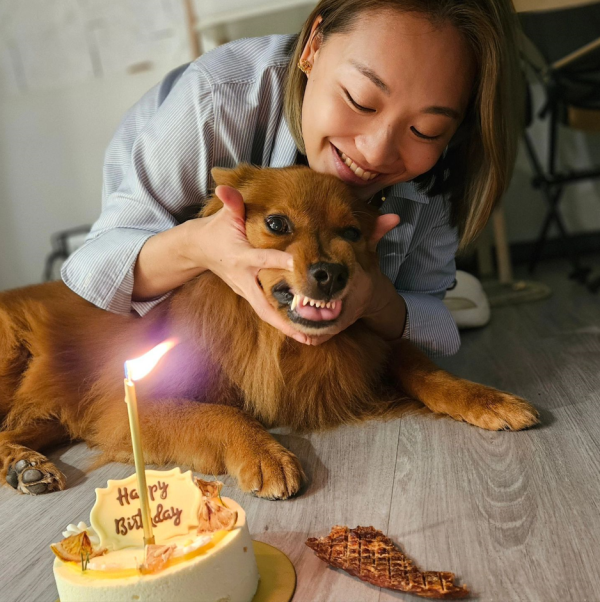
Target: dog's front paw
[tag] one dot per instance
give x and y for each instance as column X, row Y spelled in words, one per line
column 495, row 410
column 33, row 474
column 273, row 473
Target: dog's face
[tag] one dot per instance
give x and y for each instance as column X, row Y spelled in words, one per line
column 316, row 219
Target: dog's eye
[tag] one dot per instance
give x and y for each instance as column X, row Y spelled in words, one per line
column 351, row 234
column 277, row 224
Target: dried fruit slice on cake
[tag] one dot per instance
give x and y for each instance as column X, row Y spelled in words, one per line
column 76, row 548
column 157, row 557
column 371, row 556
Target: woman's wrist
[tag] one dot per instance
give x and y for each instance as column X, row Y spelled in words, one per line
column 387, row 314
column 166, row 261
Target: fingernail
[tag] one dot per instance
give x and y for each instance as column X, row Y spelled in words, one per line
column 299, row 338
column 290, row 263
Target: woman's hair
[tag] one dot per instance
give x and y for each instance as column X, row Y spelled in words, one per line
column 476, row 169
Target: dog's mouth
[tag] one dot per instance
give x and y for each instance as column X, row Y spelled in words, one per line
column 314, row 313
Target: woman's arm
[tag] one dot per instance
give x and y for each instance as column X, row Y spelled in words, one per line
column 412, row 307
column 427, row 271
column 157, row 167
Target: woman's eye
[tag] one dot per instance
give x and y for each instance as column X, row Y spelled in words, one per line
column 277, row 224
column 351, row 234
column 359, row 107
column 419, row 135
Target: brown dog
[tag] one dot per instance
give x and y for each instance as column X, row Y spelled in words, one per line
column 208, row 403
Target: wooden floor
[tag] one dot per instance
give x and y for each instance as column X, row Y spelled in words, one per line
column 515, row 515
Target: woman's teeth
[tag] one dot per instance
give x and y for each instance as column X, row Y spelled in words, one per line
column 306, row 301
column 359, row 171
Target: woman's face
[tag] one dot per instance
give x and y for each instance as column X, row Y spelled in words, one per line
column 389, row 95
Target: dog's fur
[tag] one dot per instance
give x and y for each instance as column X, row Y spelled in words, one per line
column 209, row 401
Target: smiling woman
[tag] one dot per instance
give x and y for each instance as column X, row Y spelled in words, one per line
column 408, row 90
column 412, row 103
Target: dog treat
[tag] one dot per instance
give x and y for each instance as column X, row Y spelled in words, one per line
column 371, row 556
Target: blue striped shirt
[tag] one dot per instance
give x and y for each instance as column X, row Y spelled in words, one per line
column 223, row 109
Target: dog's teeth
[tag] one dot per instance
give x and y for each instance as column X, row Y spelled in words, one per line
column 306, row 300
column 312, row 302
column 328, row 305
column 333, row 305
column 294, row 302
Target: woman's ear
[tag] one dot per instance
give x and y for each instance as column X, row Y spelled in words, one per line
column 235, row 177
column 314, row 42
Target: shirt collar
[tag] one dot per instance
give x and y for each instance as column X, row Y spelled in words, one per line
column 284, row 154
column 284, row 148
column 408, row 190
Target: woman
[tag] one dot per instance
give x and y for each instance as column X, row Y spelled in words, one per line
column 412, row 102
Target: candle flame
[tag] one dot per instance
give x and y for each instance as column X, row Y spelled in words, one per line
column 140, row 367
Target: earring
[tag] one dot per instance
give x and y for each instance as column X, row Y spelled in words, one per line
column 304, row 66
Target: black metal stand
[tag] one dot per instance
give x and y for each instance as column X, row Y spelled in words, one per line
column 551, row 185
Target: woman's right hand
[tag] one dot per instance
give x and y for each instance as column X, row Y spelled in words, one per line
column 219, row 243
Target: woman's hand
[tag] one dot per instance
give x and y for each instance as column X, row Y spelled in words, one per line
column 370, row 293
column 226, row 252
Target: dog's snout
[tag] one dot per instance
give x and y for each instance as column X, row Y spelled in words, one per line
column 329, row 277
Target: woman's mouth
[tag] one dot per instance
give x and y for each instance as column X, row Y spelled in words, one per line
column 349, row 171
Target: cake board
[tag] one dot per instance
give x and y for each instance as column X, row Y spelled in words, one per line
column 277, row 574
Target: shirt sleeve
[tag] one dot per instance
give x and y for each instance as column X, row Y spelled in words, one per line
column 425, row 274
column 156, row 169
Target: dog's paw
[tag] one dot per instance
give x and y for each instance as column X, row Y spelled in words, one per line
column 495, row 410
column 273, row 473
column 34, row 474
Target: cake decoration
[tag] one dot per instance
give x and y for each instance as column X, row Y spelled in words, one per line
column 77, row 548
column 73, row 529
column 157, row 557
column 174, row 502
column 213, row 515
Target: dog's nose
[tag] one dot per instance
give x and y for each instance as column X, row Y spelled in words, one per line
column 329, row 277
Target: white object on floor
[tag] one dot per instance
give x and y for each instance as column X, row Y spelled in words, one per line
column 467, row 301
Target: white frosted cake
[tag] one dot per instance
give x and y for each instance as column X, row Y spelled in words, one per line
column 203, row 550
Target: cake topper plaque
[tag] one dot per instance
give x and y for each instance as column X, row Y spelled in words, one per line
column 174, row 501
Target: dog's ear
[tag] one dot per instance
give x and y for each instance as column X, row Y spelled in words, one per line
column 235, row 177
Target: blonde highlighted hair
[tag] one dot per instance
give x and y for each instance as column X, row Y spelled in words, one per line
column 476, row 169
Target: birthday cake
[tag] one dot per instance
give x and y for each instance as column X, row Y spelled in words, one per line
column 203, row 550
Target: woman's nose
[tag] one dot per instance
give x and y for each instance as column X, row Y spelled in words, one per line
column 381, row 149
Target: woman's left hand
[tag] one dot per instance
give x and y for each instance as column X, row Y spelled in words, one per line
column 365, row 298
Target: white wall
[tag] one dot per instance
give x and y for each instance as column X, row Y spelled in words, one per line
column 56, row 122
column 51, row 153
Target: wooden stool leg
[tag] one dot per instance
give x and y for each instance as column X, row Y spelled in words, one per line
column 505, row 275
column 484, row 254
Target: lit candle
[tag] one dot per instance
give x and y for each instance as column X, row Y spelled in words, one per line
column 134, row 370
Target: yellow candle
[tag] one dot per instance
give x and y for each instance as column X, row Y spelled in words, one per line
column 134, row 370
column 138, row 456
